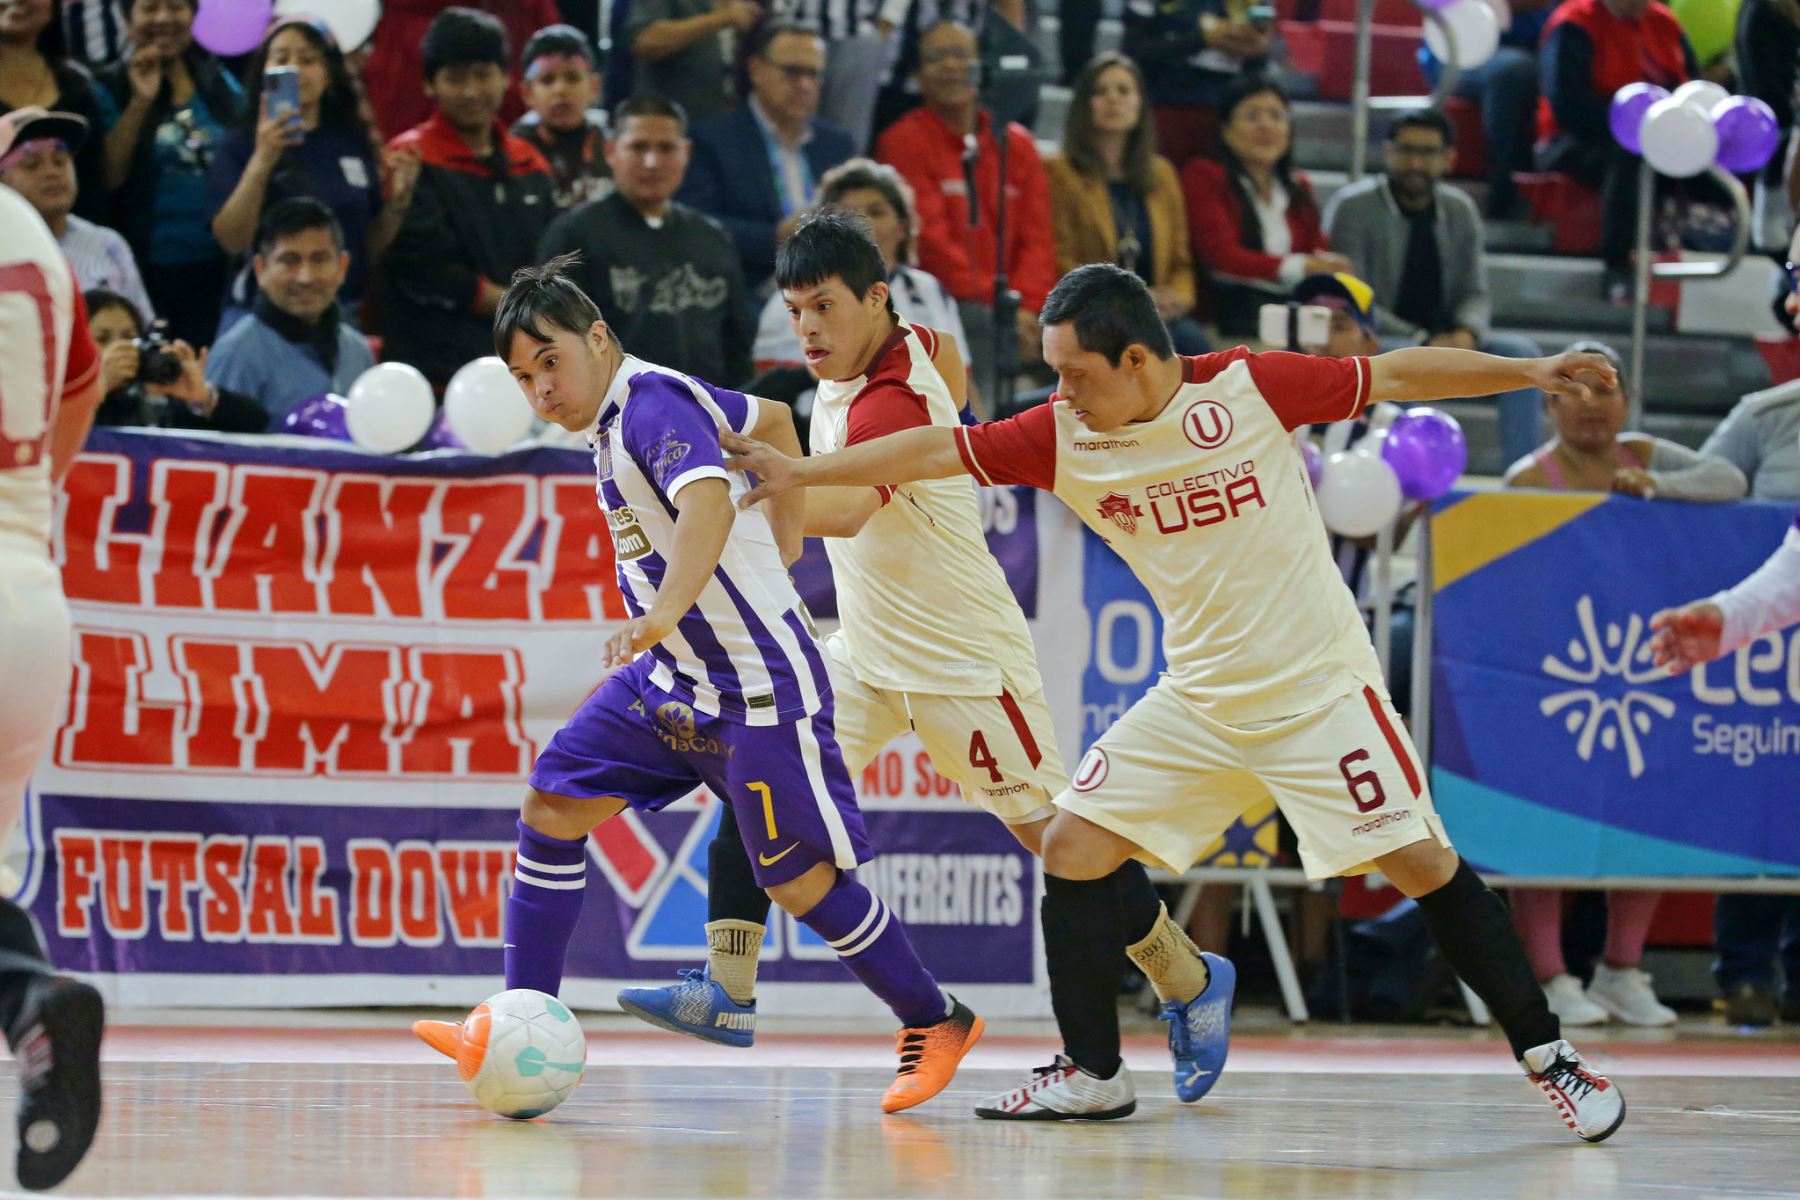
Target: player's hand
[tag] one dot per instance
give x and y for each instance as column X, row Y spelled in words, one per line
column 636, row 637
column 1631, row 481
column 1574, row 374
column 1687, row 636
column 775, row 472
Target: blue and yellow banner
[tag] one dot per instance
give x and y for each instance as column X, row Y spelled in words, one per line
column 1558, row 749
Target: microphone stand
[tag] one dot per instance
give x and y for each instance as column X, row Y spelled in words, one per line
column 1004, row 302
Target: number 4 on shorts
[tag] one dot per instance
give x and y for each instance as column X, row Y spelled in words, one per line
column 981, row 756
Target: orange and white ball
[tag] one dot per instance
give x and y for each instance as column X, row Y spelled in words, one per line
column 522, row 1053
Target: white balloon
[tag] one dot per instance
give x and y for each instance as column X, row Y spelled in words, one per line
column 485, row 408
column 1358, row 493
column 1474, row 26
column 351, row 21
column 1679, row 140
column 390, row 408
column 1702, row 94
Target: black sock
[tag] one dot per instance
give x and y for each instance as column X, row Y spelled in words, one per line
column 1139, row 905
column 1082, row 944
column 731, row 891
column 21, row 958
column 1475, row 933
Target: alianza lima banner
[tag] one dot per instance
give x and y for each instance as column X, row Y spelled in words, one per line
column 308, row 685
column 1558, row 748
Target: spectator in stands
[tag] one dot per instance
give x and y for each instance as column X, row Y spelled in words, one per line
column 36, row 72
column 562, row 86
column 295, row 342
column 1113, row 198
column 880, row 194
column 1192, row 51
column 37, row 160
column 1505, row 89
column 1418, row 242
column 684, row 50
column 1591, row 49
column 860, row 45
column 481, row 204
column 116, row 326
column 394, row 58
column 1253, row 220
column 164, row 111
column 666, row 278
column 1768, row 66
column 756, row 170
column 926, row 146
column 322, row 151
column 1761, row 436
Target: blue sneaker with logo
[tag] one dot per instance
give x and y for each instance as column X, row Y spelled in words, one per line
column 696, row 1006
column 1200, row 1031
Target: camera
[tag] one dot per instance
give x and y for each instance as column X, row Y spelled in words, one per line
column 158, row 364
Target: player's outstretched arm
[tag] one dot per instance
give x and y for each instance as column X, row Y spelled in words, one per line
column 787, row 515
column 1423, row 373
column 1766, row 600
column 928, row 452
column 702, row 524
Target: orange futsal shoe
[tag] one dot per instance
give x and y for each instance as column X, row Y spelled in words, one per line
column 443, row 1036
column 929, row 1056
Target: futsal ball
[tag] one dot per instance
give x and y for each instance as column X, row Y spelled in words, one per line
column 522, row 1053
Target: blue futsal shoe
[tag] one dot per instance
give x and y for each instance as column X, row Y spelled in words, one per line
column 1200, row 1031
column 696, row 1006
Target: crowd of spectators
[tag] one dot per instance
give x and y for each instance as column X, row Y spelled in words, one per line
column 282, row 248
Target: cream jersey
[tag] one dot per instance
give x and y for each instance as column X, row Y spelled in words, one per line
column 45, row 350
column 1209, row 505
column 925, row 606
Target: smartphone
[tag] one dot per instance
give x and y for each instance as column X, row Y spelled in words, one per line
column 281, row 90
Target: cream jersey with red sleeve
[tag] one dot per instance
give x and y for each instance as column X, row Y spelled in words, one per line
column 45, row 353
column 925, row 606
column 1209, row 505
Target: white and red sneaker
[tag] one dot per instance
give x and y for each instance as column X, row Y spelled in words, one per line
column 1063, row 1091
column 1589, row 1102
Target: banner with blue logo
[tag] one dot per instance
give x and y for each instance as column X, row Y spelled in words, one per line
column 1558, row 749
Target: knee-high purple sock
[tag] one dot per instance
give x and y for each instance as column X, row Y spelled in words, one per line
column 872, row 942
column 548, row 881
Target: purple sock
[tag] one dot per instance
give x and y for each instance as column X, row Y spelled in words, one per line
column 873, row 944
column 548, row 881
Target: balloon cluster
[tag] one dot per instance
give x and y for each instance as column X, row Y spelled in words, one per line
column 1475, row 27
column 1698, row 125
column 1361, row 489
column 390, row 408
column 233, row 27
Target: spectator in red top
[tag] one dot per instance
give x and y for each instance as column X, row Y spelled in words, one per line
column 926, row 147
column 1253, row 218
column 392, row 72
column 482, row 200
column 1591, row 49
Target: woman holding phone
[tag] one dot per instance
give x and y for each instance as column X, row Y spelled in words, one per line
column 304, row 136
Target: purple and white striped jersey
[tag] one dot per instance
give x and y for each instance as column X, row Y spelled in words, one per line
column 745, row 651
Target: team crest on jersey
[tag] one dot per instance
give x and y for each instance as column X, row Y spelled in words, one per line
column 1207, row 424
column 1120, row 511
column 629, row 539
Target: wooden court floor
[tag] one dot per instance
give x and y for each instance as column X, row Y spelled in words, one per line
column 359, row 1110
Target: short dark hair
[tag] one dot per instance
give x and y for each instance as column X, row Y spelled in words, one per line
column 459, row 36
column 757, row 45
column 296, row 214
column 1434, row 119
column 559, row 39
column 833, row 242
column 99, row 300
column 647, row 105
column 1111, row 308
column 543, row 297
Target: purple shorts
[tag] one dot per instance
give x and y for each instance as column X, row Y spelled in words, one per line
column 787, row 784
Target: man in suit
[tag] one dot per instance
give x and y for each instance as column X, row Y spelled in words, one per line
column 756, row 169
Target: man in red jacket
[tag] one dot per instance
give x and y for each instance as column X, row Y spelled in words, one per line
column 926, row 146
column 1591, row 49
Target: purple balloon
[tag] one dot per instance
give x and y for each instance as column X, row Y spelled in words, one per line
column 1315, row 465
column 1426, row 449
column 232, row 27
column 1629, row 104
column 1436, row 5
column 320, row 416
column 1748, row 134
column 440, row 436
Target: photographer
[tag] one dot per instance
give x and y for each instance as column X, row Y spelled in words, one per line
column 150, row 381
